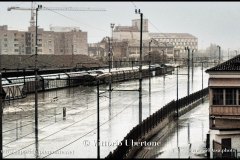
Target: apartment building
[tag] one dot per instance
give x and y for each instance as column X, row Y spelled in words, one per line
column 12, row 41
column 65, row 41
column 224, row 109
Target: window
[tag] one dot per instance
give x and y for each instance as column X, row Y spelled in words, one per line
column 231, row 96
column 217, row 96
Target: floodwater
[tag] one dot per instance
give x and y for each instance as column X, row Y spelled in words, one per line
column 186, row 137
column 76, row 135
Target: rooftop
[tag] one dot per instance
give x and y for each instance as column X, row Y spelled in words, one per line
column 171, row 35
column 229, row 65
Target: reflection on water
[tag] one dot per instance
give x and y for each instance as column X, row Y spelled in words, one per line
column 118, row 116
column 186, row 137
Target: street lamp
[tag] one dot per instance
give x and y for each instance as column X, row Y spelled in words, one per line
column 149, row 54
column 219, row 52
column 137, row 11
column 1, row 107
column 36, row 80
column 192, row 65
column 188, row 59
column 177, row 94
column 149, row 76
column 228, row 53
column 109, row 63
column 163, row 56
column 112, row 26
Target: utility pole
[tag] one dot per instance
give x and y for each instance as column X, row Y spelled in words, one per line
column 228, row 53
column 72, row 54
column 112, row 26
column 202, row 81
column 150, row 68
column 177, row 92
column 1, row 106
column 98, row 122
column 109, row 66
column 140, row 67
column 192, row 66
column 219, row 54
column 188, row 63
column 163, row 59
column 150, row 75
column 36, row 81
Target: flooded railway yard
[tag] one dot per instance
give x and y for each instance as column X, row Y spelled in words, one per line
column 75, row 135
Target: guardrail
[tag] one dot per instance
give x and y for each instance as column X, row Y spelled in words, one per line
column 152, row 121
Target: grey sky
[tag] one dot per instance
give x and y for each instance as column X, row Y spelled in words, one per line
column 211, row 22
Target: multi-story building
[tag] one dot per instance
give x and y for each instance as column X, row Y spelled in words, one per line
column 224, row 109
column 178, row 40
column 11, row 41
column 70, row 40
column 65, row 41
column 45, row 41
column 124, row 33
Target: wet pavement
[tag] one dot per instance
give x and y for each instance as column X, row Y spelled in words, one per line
column 185, row 139
column 75, row 137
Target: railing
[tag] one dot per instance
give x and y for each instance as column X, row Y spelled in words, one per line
column 152, row 121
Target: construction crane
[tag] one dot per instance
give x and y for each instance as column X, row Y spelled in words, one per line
column 32, row 9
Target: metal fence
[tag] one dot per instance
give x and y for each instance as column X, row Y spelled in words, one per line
column 152, row 121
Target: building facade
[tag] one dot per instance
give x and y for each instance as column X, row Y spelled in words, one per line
column 126, row 33
column 224, row 109
column 12, row 41
column 66, row 41
column 178, row 40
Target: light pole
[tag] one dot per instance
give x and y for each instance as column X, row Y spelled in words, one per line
column 36, row 81
column 202, row 81
column 188, row 60
column 149, row 52
column 219, row 52
column 112, row 26
column 177, row 92
column 192, row 67
column 137, row 11
column 98, row 122
column 228, row 53
column 236, row 52
column 163, row 56
column 1, row 106
column 149, row 77
column 109, row 63
column 72, row 54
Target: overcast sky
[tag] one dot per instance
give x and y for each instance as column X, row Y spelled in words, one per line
column 210, row 22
